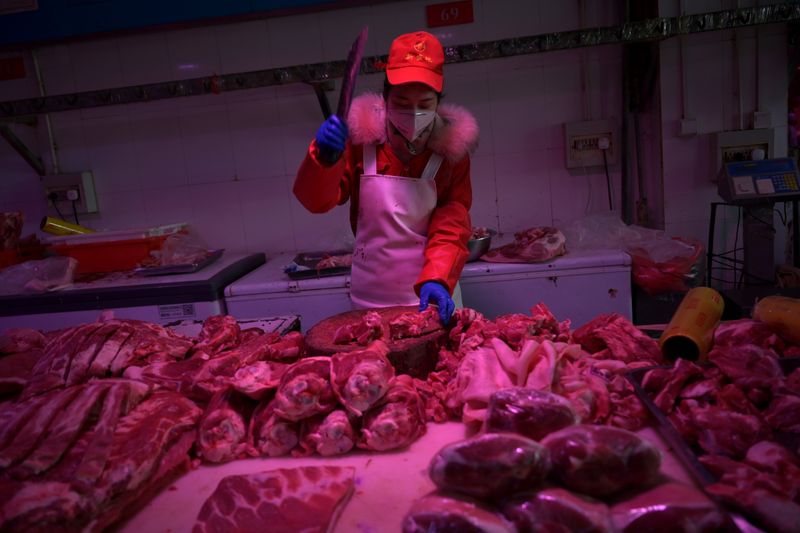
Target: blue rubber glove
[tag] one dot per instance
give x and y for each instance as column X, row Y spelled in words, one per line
column 331, row 137
column 433, row 290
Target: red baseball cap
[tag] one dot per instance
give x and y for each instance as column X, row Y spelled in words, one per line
column 416, row 57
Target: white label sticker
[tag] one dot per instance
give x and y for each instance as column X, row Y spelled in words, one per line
column 765, row 186
column 176, row 311
column 743, row 185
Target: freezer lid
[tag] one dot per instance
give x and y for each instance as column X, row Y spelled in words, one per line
column 127, row 290
column 270, row 278
column 572, row 261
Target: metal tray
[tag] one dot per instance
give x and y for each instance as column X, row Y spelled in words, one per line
column 308, row 262
column 158, row 270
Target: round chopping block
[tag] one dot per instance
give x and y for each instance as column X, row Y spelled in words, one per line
column 416, row 356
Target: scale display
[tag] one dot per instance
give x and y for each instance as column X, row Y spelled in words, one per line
column 753, row 182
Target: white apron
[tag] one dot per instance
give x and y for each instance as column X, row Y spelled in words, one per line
column 393, row 217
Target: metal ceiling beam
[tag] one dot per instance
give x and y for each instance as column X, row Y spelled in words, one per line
column 646, row 30
column 22, row 149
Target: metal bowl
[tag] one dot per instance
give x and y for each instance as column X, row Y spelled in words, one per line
column 478, row 247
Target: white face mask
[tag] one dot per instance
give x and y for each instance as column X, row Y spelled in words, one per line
column 411, row 122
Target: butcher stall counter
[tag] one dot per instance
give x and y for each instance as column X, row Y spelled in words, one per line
column 386, row 484
column 579, row 286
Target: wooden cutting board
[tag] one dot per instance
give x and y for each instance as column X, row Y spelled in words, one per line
column 416, row 356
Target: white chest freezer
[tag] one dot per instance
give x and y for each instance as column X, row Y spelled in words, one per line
column 268, row 291
column 578, row 286
column 160, row 299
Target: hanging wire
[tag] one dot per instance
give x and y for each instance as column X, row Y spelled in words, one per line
column 55, row 204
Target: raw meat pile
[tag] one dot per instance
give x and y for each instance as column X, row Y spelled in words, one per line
column 413, row 338
column 308, row 498
column 534, row 245
column 739, row 413
column 101, row 349
column 479, row 232
column 81, row 446
column 329, row 405
column 90, row 454
column 537, row 352
column 333, row 261
column 578, row 478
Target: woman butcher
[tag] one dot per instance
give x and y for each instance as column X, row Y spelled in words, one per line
column 403, row 162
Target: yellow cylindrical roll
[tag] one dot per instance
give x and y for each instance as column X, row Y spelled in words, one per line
column 690, row 333
column 782, row 314
column 56, row 226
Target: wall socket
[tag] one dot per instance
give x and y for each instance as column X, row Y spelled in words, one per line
column 62, row 184
column 583, row 142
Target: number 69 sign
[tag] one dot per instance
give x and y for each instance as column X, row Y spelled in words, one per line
column 449, row 14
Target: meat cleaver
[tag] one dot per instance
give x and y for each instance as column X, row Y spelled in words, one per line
column 351, row 68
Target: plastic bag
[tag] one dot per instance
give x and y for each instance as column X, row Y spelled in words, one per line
column 37, row 276
column 660, row 263
column 184, row 248
column 661, row 266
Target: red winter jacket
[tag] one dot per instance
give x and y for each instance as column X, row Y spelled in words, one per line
column 321, row 188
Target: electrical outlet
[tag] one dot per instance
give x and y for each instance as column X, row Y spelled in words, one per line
column 738, row 145
column 65, row 187
column 585, row 142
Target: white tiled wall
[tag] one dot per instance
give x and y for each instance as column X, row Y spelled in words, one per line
column 689, row 162
column 226, row 163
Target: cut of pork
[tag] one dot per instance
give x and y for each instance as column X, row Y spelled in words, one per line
column 532, row 245
column 270, row 435
column 141, row 437
column 16, row 370
column 601, row 461
column 219, row 333
column 222, row 433
column 361, row 378
column 41, row 506
column 63, row 431
column 528, row 412
column 449, row 513
column 33, row 430
column 671, row 507
column 616, row 337
column 397, row 421
column 492, row 465
column 286, row 500
column 305, row 389
column 17, row 340
column 327, row 435
column 556, row 510
column 363, row 332
column 259, row 379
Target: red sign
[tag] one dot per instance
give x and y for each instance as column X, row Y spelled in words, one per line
column 449, row 14
column 12, row 68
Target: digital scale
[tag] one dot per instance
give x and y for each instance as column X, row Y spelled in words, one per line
column 759, row 182
column 755, row 187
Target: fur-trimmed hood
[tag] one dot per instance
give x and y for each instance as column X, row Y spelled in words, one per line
column 454, row 135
